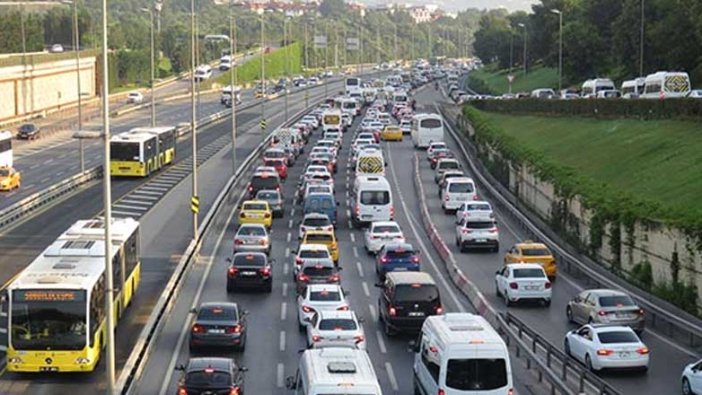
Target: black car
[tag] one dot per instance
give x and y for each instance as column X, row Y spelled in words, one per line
column 317, row 271
column 406, row 300
column 250, row 270
column 218, row 324
column 28, row 131
column 211, row 376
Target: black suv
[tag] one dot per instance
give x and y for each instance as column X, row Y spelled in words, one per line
column 212, row 376
column 406, row 300
column 28, row 131
column 250, row 269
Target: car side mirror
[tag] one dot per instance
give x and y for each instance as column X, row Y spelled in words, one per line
column 290, row 383
column 245, row 312
column 243, row 369
column 193, row 311
column 497, row 272
column 307, row 319
column 361, row 320
column 272, row 261
column 378, row 285
column 412, row 346
column 229, row 259
column 294, row 252
column 338, row 269
column 180, row 367
column 338, row 204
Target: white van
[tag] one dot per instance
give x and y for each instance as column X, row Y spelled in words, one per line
column 591, row 87
column 203, row 72
column 457, row 191
column 331, row 119
column 461, row 354
column 334, row 371
column 666, row 85
column 370, row 162
column 545, row 93
column 632, row 89
column 350, row 106
column 225, row 63
column 399, row 97
column 372, row 200
column 427, row 128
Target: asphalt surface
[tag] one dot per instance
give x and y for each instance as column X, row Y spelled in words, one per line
column 667, row 359
column 166, row 231
column 273, row 339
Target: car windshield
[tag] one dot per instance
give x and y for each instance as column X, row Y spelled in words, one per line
column 314, row 254
column 124, row 151
column 535, row 252
column 461, row 187
column 217, row 313
column 416, row 292
column 319, row 221
column 386, row 229
column 204, row 379
column 251, row 231
column 400, row 253
column 312, row 237
column 26, row 128
column 617, row 337
column 265, row 182
column 337, row 324
column 528, row 273
column 318, row 270
column 325, row 296
column 616, row 301
column 249, row 260
column 267, row 195
column 448, row 165
column 375, row 197
column 476, row 374
column 274, row 154
column 255, row 206
column 478, row 207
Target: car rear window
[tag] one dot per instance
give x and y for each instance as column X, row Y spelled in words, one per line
column 337, row 324
column 217, row 313
column 311, row 237
column 616, row 301
column 476, row 374
column 528, row 273
column 535, row 252
column 416, row 292
column 208, row 380
column 400, row 253
column 249, row 260
column 273, row 163
column 386, row 229
column 448, row 165
column 319, row 204
column 265, row 182
column 617, row 337
column 314, row 254
column 255, row 206
column 461, row 187
column 478, row 206
column 251, row 231
column 267, row 195
column 316, row 222
column 480, row 225
column 274, row 154
column 430, row 123
column 318, row 270
column 375, row 197
column 325, row 296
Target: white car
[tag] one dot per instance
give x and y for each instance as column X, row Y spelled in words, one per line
column 435, row 145
column 315, row 221
column 477, row 210
column 380, row 233
column 311, row 119
column 477, row 234
column 406, row 126
column 311, row 254
column 523, row 281
column 56, row 48
column 335, row 328
column 601, row 346
column 318, row 297
column 135, row 98
column 203, row 72
column 692, row 379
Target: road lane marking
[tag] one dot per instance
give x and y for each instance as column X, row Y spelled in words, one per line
column 283, row 311
column 282, row 341
column 374, row 315
column 366, row 291
column 350, row 225
column 130, row 207
column 360, row 269
column 292, row 212
column 353, row 237
column 348, row 213
column 280, row 375
column 391, row 376
column 290, row 224
column 139, row 202
column 289, row 237
column 141, row 191
column 285, row 268
column 355, row 251
column 381, row 342
column 285, row 289
column 287, row 250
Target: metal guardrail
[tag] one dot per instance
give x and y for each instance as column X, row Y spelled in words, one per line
column 38, row 200
column 673, row 324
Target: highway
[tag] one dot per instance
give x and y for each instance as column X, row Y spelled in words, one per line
column 166, row 231
column 273, row 339
column 667, row 359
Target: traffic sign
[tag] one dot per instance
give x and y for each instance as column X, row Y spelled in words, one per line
column 263, row 124
column 195, row 204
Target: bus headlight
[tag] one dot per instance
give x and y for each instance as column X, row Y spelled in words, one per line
column 14, row 361
column 82, row 361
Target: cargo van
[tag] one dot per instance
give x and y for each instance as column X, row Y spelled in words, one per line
column 461, row 354
column 334, row 371
column 331, row 119
column 322, row 203
column 666, row 85
column 372, row 200
column 457, row 191
column 370, row 162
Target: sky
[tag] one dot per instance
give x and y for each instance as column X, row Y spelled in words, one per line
column 457, row 5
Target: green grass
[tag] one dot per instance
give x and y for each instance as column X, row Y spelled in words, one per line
column 496, row 80
column 656, row 160
column 275, row 66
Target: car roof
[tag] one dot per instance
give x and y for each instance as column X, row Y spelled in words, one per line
column 524, row 266
column 254, row 201
column 195, row 364
column 231, row 305
column 410, row 278
column 600, row 328
column 383, row 223
column 349, row 314
column 323, row 287
column 527, row 244
column 312, row 247
column 315, row 215
column 262, row 191
column 607, row 292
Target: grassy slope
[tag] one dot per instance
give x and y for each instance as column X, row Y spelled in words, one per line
column 656, row 159
column 538, row 77
column 275, row 66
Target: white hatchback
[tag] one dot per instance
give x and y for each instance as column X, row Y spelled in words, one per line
column 334, row 329
column 601, row 346
column 380, row 233
column 318, row 297
column 475, row 210
column 523, row 281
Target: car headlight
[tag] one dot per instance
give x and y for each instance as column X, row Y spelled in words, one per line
column 14, row 360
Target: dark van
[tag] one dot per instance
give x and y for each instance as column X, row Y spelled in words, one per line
column 263, row 181
column 322, row 203
column 406, row 300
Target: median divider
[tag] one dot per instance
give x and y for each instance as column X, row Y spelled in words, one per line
column 539, row 355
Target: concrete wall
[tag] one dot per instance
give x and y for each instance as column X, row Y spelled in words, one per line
column 33, row 89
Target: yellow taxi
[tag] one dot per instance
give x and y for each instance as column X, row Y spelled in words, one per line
column 324, row 237
column 9, row 178
column 256, row 212
column 392, row 132
column 531, row 252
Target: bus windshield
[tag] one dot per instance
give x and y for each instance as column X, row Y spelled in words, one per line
column 124, row 151
column 48, row 320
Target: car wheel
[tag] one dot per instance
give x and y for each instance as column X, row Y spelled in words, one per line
column 496, row 248
column 269, row 287
column 569, row 314
column 547, row 302
column 588, row 363
column 686, row 389
column 508, row 303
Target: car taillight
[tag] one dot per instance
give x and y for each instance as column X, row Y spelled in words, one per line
column 316, row 338
column 466, row 231
column 238, row 242
column 242, row 215
column 266, row 271
column 446, row 198
column 267, row 215
column 343, row 308
column 493, row 230
column 475, row 197
column 232, row 272
column 640, row 312
column 233, row 391
column 263, row 242
column 182, row 391
column 514, row 285
column 307, row 309
column 359, row 338
column 439, row 309
column 604, row 352
column 392, row 212
column 198, row 328
column 392, row 311
column 602, row 313
column 234, row 329
column 384, row 259
column 643, row 351
column 441, row 392
column 547, row 285
column 415, row 259
column 298, row 261
column 303, row 277
column 334, row 278
column 250, row 188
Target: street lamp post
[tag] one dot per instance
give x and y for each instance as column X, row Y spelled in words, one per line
column 264, row 85
column 193, row 117
column 560, row 48
column 232, row 80
column 525, row 48
column 641, row 39
column 511, row 58
column 76, row 50
column 151, row 59
column 287, row 63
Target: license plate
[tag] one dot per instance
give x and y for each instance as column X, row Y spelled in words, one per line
column 622, row 316
column 365, row 216
column 416, row 314
column 48, row 369
column 481, row 240
column 400, row 269
column 624, row 354
column 531, row 287
column 218, row 331
column 248, row 273
column 255, row 215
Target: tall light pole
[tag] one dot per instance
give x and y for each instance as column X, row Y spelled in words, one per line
column 76, row 50
column 560, row 48
column 641, row 39
column 287, row 63
column 193, row 117
column 263, row 76
column 150, row 10
column 107, row 203
column 525, row 48
column 511, row 58
column 232, row 79
column 395, row 53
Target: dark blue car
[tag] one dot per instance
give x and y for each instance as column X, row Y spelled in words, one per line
column 396, row 257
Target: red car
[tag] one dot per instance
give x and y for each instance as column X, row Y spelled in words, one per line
column 280, row 166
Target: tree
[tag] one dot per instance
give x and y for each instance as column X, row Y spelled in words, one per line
column 332, row 8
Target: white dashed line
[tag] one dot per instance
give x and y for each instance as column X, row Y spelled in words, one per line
column 290, row 224
column 355, row 251
column 280, row 375
column 353, row 237
column 285, row 268
column 289, row 237
column 360, row 269
column 348, row 213
column 374, row 315
column 381, row 342
column 282, row 341
column 391, row 376
column 283, row 311
column 285, row 289
column 292, row 212
column 365, row 289
column 287, row 250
